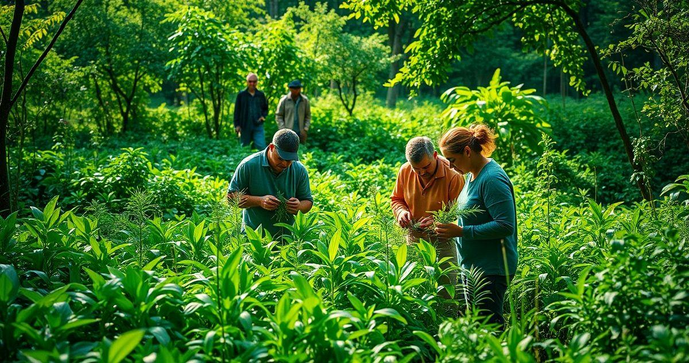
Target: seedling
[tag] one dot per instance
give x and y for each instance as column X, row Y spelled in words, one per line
column 281, row 213
column 449, row 213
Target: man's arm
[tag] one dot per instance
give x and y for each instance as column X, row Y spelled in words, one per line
column 303, row 201
column 399, row 206
column 239, row 186
column 280, row 114
column 267, row 202
column 294, row 205
column 307, row 115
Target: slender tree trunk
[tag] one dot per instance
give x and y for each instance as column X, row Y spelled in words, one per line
column 545, row 68
column 202, row 98
column 6, row 106
column 273, row 9
column 563, row 87
column 106, row 127
column 621, row 128
column 351, row 111
column 395, row 32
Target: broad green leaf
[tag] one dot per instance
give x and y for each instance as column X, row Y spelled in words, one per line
column 401, row 256
column 160, row 334
column 77, row 323
column 124, row 345
column 334, row 245
column 151, row 265
column 389, row 313
column 428, row 339
column 9, row 284
column 303, row 286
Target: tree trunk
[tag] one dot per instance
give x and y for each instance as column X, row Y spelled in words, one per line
column 125, row 120
column 273, row 9
column 563, row 87
column 545, row 68
column 106, row 127
column 6, row 106
column 621, row 128
column 395, row 32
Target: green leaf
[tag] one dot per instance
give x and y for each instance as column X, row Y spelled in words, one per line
column 97, row 279
column 77, row 323
column 356, row 303
column 160, row 334
column 334, row 245
column 124, row 345
column 151, row 265
column 303, row 286
column 50, row 207
column 401, row 256
column 9, row 284
column 389, row 313
column 428, row 339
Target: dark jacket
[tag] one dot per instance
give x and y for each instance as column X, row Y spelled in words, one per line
column 241, row 111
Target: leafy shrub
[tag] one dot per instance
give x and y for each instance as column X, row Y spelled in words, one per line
column 585, row 128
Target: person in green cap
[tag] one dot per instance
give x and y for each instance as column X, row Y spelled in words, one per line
column 294, row 111
column 267, row 174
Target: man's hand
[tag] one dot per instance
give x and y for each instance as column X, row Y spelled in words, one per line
column 404, row 219
column 293, row 205
column 261, row 119
column 238, row 130
column 449, row 230
column 302, row 136
column 269, row 202
column 425, row 222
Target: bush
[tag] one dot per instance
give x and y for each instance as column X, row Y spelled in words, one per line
column 585, row 128
column 380, row 134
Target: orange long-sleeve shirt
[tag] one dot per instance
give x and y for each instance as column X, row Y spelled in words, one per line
column 410, row 195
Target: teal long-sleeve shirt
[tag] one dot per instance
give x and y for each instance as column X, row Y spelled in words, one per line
column 491, row 192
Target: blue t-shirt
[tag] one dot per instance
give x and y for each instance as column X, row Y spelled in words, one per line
column 492, row 192
column 255, row 177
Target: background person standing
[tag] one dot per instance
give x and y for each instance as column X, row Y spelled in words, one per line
column 294, row 111
column 250, row 111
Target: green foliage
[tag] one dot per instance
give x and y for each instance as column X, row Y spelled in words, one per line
column 281, row 214
column 334, row 289
column 385, row 132
column 659, row 27
column 112, row 175
column 122, row 45
column 581, row 129
column 208, row 57
column 137, row 256
column 277, row 59
column 351, row 62
column 448, row 28
column 516, row 115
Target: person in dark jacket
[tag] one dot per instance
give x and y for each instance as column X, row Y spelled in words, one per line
column 250, row 111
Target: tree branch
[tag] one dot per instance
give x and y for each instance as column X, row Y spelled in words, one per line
column 10, row 53
column 46, row 51
column 3, row 36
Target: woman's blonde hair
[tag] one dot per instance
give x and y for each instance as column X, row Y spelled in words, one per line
column 478, row 138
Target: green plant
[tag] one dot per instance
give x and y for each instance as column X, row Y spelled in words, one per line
column 281, row 213
column 515, row 114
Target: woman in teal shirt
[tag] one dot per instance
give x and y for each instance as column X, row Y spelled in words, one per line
column 480, row 235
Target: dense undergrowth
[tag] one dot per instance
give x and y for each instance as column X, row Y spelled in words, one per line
column 131, row 253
